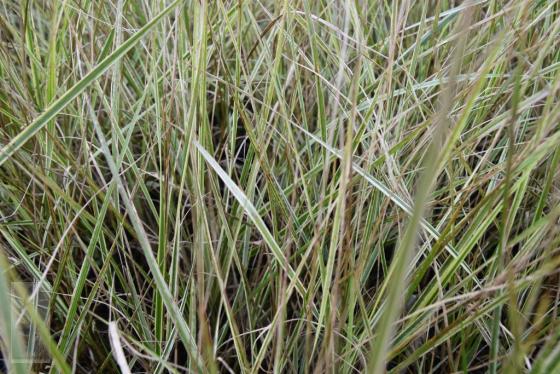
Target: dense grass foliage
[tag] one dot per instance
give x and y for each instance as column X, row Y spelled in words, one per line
column 281, row 186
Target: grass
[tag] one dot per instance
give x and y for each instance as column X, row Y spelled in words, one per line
column 287, row 186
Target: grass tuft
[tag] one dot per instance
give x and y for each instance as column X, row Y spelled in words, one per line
column 280, row 186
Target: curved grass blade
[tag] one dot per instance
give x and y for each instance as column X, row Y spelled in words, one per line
column 253, row 216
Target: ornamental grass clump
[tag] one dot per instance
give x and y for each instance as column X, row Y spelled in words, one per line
column 280, row 186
